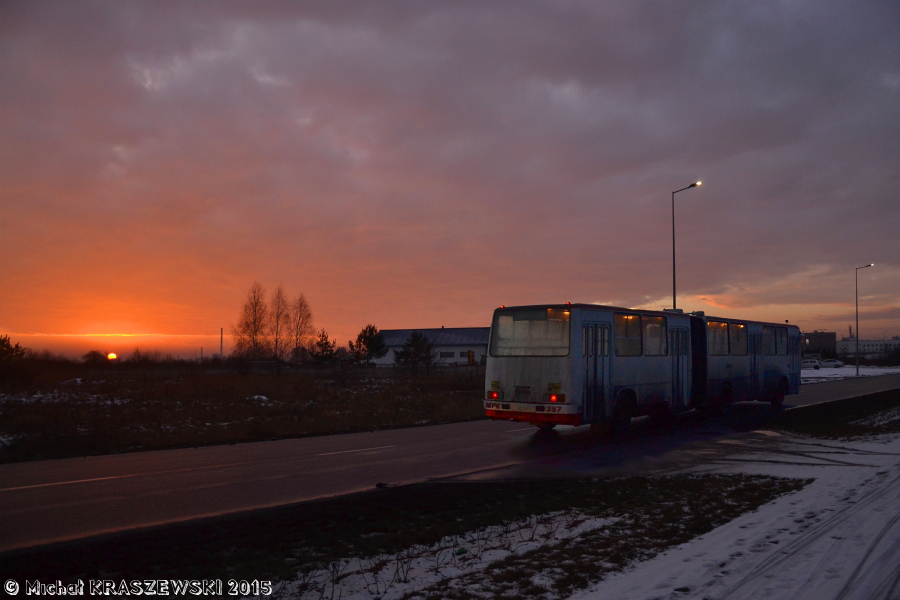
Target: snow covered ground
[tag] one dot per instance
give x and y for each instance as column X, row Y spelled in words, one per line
column 845, row 372
column 838, row 538
column 391, row 577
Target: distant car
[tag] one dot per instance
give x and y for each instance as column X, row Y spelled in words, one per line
column 831, row 363
column 810, row 363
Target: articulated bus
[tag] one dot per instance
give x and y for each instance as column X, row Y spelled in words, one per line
column 577, row 364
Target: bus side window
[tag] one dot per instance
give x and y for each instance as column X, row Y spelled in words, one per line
column 737, row 336
column 717, row 338
column 628, row 334
column 654, row 336
column 782, row 340
column 769, row 341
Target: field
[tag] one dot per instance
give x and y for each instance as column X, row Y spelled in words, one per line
column 68, row 409
column 485, row 539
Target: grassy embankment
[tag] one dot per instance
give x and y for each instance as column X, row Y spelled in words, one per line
column 71, row 410
column 435, row 528
column 866, row 416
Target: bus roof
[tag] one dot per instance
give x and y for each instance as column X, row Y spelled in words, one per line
column 663, row 313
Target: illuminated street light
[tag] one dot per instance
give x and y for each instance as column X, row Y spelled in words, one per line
column 674, row 305
column 857, row 313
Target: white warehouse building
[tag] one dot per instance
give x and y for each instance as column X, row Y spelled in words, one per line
column 868, row 348
column 452, row 345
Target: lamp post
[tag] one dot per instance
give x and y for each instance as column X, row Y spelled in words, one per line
column 695, row 184
column 857, row 313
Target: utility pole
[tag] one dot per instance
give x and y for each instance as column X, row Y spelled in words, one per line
column 695, row 184
column 857, row 313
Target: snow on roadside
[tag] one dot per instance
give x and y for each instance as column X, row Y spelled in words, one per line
column 60, row 397
column 838, row 538
column 848, row 371
column 389, row 577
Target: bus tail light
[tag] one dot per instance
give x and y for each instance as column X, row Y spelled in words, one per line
column 557, row 397
column 494, row 395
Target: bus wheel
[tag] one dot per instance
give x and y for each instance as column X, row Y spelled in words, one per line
column 778, row 400
column 600, row 428
column 621, row 419
column 727, row 396
column 711, row 409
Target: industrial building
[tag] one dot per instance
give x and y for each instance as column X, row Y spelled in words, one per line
column 868, row 348
column 820, row 343
column 452, row 345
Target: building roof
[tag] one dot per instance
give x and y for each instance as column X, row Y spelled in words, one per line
column 450, row 336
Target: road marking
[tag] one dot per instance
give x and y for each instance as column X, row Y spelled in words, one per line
column 237, row 464
column 360, row 450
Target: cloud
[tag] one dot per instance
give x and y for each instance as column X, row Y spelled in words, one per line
column 413, row 164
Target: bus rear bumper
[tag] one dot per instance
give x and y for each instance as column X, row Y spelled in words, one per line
column 534, row 417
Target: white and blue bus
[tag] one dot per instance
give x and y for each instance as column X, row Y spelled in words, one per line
column 577, row 364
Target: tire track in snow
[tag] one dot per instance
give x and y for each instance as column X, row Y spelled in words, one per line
column 895, row 588
column 843, row 449
column 768, row 566
column 888, row 555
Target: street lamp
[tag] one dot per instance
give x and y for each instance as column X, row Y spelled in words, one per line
column 857, row 313
column 674, row 305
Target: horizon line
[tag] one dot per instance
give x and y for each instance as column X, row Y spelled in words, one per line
column 109, row 334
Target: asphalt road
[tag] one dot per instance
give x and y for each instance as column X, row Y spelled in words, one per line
column 52, row 501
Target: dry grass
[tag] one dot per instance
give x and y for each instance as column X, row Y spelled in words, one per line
column 647, row 516
column 78, row 413
column 308, row 547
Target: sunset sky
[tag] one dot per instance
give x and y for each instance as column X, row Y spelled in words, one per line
column 416, row 164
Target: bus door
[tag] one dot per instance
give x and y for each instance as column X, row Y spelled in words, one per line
column 595, row 354
column 756, row 370
column 681, row 375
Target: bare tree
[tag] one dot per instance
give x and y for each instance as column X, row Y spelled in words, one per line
column 279, row 324
column 250, row 331
column 301, row 328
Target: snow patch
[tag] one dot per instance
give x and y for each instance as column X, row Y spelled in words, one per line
column 839, row 537
column 389, row 577
column 808, row 376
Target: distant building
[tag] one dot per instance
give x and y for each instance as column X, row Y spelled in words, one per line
column 868, row 348
column 823, row 343
column 452, row 345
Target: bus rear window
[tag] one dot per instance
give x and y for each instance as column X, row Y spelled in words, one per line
column 530, row 332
